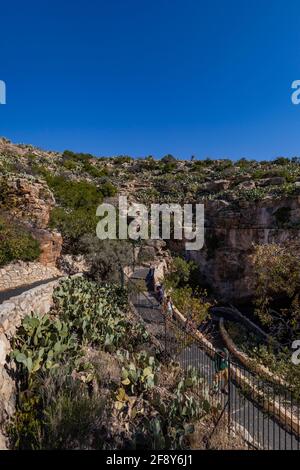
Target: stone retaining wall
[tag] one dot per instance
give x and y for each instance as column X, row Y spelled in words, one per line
column 12, row 311
column 247, row 361
column 20, row 273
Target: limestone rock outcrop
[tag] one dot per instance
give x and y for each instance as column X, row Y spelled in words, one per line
column 231, row 231
column 29, row 200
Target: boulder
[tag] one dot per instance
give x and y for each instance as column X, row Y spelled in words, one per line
column 248, row 184
column 50, row 244
column 274, row 181
column 27, row 199
column 216, row 186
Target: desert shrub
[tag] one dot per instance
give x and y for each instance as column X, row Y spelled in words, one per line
column 224, row 164
column 277, row 274
column 74, row 194
column 254, row 194
column 180, row 272
column 78, row 202
column 16, row 243
column 243, row 163
column 288, row 172
column 281, row 161
column 147, row 164
column 206, row 162
column 77, row 157
column 69, row 165
column 267, row 353
column 31, row 157
column 108, row 189
column 107, row 258
column 121, row 159
column 25, row 428
column 72, row 415
column 169, row 167
column 59, row 413
column 93, row 170
column 192, row 304
column 260, row 173
column 73, row 224
column 82, row 161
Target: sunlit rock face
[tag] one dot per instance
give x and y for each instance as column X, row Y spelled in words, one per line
column 29, row 200
column 231, row 231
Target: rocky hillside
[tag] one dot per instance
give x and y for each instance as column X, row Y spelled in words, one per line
column 246, row 202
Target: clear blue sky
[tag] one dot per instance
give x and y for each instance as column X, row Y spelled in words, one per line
column 140, row 77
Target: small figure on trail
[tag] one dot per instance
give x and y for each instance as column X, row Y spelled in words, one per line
column 159, row 294
column 150, row 279
column 168, row 308
column 221, row 366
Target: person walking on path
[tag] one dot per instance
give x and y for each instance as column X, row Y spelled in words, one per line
column 150, row 281
column 160, row 294
column 168, row 308
column 221, row 362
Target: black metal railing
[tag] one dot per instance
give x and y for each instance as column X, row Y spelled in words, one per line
column 265, row 415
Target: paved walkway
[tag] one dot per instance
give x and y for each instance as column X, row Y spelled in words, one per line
column 259, row 428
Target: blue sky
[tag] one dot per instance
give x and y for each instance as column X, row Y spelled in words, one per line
column 145, row 77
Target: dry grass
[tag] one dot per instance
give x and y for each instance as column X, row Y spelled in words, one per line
column 106, row 366
column 205, row 437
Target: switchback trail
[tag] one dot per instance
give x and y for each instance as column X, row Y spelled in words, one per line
column 260, row 429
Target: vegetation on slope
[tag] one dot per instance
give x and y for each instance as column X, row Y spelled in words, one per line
column 16, row 243
column 190, row 300
column 90, row 378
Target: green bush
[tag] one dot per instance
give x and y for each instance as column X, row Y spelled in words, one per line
column 93, row 170
column 169, row 167
column 79, row 157
column 108, row 189
column 281, row 161
column 74, row 194
column 16, row 243
column 72, row 417
column 78, row 202
column 69, row 165
column 73, row 224
column 121, row 159
column 180, row 272
column 243, row 163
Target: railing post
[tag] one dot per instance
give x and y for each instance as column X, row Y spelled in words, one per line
column 165, row 325
column 229, row 395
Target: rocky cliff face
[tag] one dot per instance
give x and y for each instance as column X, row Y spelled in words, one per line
column 30, row 201
column 230, row 235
